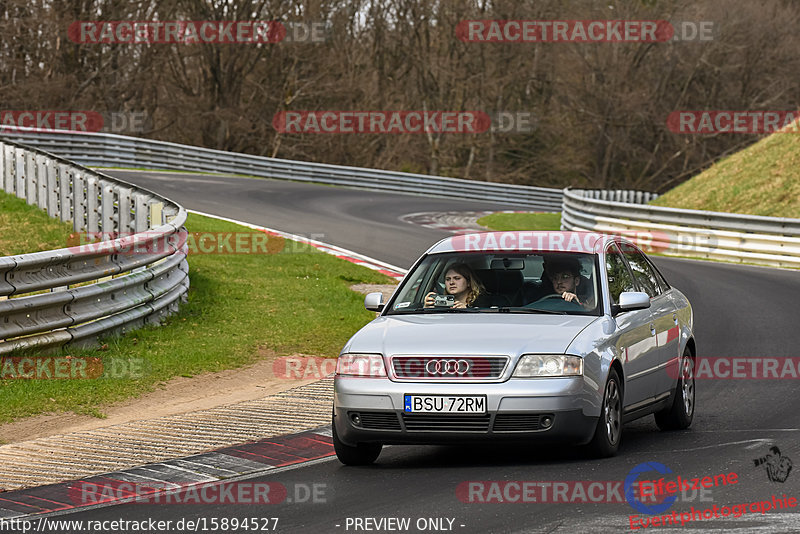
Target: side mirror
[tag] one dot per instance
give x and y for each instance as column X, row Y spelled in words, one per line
column 631, row 300
column 374, row 302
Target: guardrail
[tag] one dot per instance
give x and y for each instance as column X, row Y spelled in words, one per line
column 773, row 241
column 77, row 294
column 111, row 150
column 720, row 236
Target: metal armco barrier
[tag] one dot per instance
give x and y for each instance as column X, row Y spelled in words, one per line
column 110, row 150
column 731, row 237
column 77, row 294
column 721, row 236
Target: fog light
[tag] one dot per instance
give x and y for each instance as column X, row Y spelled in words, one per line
column 356, row 419
column 547, row 422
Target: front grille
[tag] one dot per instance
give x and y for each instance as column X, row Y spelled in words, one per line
column 449, row 367
column 379, row 420
column 518, row 422
column 447, row 423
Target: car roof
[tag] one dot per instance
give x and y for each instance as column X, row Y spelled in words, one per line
column 524, row 241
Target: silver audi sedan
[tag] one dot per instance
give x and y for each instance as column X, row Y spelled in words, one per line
column 542, row 337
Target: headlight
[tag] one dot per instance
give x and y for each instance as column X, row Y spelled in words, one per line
column 541, row 365
column 361, row 365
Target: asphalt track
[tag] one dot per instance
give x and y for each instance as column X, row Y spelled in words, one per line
column 739, row 311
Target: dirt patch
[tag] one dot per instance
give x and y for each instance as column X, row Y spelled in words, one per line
column 179, row 395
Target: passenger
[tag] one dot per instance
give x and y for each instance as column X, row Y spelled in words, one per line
column 565, row 276
column 461, row 282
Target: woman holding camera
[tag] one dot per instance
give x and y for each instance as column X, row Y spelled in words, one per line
column 461, row 282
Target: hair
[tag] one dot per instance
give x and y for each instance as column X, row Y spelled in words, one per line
column 474, row 285
column 561, row 264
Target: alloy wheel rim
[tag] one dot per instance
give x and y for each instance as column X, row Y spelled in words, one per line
column 612, row 412
column 687, row 386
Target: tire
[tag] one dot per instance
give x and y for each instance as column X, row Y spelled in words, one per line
column 361, row 454
column 608, row 434
column 680, row 414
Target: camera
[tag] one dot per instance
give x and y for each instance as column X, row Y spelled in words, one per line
column 444, row 300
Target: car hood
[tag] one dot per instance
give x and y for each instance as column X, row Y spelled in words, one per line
column 468, row 333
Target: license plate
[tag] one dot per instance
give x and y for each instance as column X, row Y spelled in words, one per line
column 445, row 404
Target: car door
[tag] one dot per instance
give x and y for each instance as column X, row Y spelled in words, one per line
column 636, row 337
column 664, row 313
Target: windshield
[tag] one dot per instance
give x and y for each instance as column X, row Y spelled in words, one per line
column 535, row 282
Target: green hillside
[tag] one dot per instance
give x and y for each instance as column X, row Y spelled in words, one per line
column 763, row 179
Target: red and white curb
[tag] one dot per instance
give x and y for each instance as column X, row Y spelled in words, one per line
column 457, row 222
column 150, row 483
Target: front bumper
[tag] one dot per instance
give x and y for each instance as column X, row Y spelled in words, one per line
column 517, row 410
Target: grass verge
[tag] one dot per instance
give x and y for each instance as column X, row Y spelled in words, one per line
column 240, row 305
column 27, row 228
column 521, row 221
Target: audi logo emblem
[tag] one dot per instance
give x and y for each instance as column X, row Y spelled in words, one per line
column 447, row 367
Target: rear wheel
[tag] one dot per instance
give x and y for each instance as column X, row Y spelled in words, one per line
column 608, row 433
column 681, row 413
column 361, row 454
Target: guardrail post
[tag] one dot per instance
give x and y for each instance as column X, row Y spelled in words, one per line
column 107, row 222
column 125, row 219
column 2, row 165
column 107, row 210
column 92, row 207
column 30, row 178
column 141, row 213
column 78, row 202
column 41, row 182
column 52, row 190
column 64, row 192
column 8, row 169
column 19, row 173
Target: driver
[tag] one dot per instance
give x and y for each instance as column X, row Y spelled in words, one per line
column 565, row 276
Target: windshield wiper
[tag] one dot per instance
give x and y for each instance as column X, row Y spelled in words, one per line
column 521, row 309
column 435, row 310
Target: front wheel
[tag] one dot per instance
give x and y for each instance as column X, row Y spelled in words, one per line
column 608, row 433
column 681, row 413
column 361, row 454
